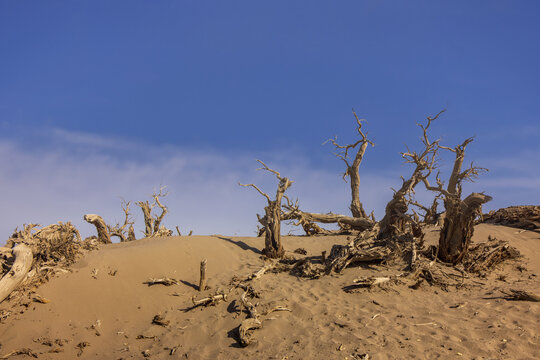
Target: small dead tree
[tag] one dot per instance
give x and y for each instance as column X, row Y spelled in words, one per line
column 152, row 222
column 102, row 228
column 272, row 217
column 120, row 231
column 395, row 217
column 458, row 226
column 352, row 171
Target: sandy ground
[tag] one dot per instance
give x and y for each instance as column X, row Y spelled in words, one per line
column 104, row 305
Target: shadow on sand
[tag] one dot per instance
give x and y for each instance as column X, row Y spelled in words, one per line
column 240, row 244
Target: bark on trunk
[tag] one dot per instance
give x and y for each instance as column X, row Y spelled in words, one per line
column 101, row 227
column 458, row 226
column 20, row 268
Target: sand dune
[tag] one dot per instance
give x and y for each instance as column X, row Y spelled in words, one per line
column 102, row 309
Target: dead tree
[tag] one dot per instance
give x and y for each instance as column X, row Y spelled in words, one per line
column 152, row 222
column 308, row 220
column 458, row 226
column 352, row 170
column 394, row 220
column 102, row 229
column 120, row 231
column 272, row 217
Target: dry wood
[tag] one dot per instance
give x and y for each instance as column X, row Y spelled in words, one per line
column 394, row 220
column 370, row 281
column 352, row 170
column 163, row 281
column 521, row 295
column 210, row 300
column 20, row 268
column 120, row 230
column 458, row 226
column 152, row 222
column 246, row 328
column 24, row 351
column 272, row 219
column 261, row 271
column 101, row 227
column 40, row 299
column 202, row 280
column 160, row 320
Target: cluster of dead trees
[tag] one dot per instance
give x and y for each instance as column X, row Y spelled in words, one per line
column 125, row 232
column 400, row 217
column 32, row 254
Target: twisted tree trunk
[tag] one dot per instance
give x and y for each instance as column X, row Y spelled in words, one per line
column 458, row 226
column 20, row 268
column 101, row 227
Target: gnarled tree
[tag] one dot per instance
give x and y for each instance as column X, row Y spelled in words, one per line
column 101, row 227
column 395, row 217
column 272, row 217
column 458, row 226
column 352, row 170
column 152, row 222
column 124, row 232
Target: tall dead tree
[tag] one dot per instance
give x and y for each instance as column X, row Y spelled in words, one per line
column 152, row 222
column 458, row 226
column 272, row 218
column 395, row 217
column 352, row 170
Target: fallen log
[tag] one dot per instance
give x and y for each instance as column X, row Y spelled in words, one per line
column 355, row 223
column 20, row 268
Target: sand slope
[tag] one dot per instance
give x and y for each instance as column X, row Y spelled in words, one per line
column 325, row 323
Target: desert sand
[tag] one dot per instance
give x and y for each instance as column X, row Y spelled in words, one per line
column 101, row 308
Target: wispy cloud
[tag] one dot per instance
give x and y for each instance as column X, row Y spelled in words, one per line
column 83, row 173
column 72, row 173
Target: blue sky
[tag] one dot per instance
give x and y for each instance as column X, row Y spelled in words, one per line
column 101, row 99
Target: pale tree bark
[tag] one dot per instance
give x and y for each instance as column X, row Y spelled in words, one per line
column 101, row 227
column 352, row 169
column 394, row 220
column 152, row 222
column 272, row 219
column 120, row 230
column 307, row 220
column 458, row 226
column 20, row 268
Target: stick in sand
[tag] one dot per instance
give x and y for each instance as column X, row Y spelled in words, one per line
column 202, row 282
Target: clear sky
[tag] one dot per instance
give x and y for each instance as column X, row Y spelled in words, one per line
column 101, row 99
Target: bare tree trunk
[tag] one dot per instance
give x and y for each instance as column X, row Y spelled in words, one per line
column 352, row 171
column 272, row 218
column 148, row 220
column 20, row 268
column 101, row 227
column 458, row 226
column 394, row 220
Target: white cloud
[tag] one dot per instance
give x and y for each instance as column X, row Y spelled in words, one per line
column 83, row 173
column 76, row 173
